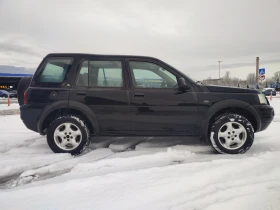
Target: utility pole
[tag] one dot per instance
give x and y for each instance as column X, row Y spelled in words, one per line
column 219, row 69
column 257, row 69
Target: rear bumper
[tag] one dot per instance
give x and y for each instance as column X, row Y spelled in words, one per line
column 266, row 113
column 31, row 125
column 30, row 116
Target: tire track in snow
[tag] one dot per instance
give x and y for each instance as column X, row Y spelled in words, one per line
column 27, row 144
column 159, row 159
column 206, row 196
column 14, row 180
column 19, row 179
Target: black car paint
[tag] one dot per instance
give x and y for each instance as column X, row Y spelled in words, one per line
column 138, row 112
column 109, row 105
column 162, row 111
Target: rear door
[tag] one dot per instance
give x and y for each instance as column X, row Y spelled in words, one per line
column 50, row 81
column 100, row 84
column 158, row 107
column 48, row 89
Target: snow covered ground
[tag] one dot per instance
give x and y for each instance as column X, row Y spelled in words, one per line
column 154, row 175
column 5, row 100
column 6, row 107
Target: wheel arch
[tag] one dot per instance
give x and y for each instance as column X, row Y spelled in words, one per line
column 61, row 108
column 233, row 106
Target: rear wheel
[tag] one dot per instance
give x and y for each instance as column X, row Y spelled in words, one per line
column 68, row 134
column 232, row 134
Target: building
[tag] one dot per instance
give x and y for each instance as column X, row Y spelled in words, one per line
column 10, row 81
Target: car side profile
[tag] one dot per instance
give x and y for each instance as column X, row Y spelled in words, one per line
column 75, row 97
column 4, row 94
column 269, row 91
column 13, row 93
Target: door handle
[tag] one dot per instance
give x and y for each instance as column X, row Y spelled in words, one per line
column 139, row 94
column 81, row 93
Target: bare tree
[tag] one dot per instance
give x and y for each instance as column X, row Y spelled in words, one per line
column 235, row 81
column 227, row 80
column 251, row 77
column 276, row 76
column 227, row 75
column 268, row 80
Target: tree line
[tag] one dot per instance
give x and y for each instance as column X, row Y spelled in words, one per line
column 250, row 80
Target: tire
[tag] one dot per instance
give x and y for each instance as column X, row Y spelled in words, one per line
column 22, row 86
column 76, row 139
column 231, row 134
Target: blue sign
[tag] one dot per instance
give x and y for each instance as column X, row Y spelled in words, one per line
column 262, row 71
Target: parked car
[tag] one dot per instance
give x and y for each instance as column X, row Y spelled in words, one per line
column 75, row 97
column 13, row 93
column 4, row 94
column 269, row 91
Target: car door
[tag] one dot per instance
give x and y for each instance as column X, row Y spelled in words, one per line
column 158, row 106
column 49, row 84
column 101, row 86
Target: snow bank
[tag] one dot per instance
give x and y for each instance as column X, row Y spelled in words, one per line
column 218, row 184
column 11, row 107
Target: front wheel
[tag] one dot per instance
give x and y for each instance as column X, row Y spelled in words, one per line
column 68, row 134
column 232, row 134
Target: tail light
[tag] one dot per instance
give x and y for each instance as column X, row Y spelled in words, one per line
column 25, row 97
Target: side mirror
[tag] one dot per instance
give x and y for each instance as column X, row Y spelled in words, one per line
column 182, row 84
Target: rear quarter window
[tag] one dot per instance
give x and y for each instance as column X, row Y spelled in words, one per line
column 54, row 70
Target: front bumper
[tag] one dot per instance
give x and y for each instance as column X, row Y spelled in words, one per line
column 266, row 113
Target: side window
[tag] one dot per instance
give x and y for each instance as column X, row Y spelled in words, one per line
column 101, row 74
column 150, row 75
column 83, row 75
column 55, row 70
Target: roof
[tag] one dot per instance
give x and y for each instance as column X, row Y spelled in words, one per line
column 14, row 75
column 99, row 55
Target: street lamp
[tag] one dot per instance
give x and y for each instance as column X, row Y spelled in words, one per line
column 219, row 68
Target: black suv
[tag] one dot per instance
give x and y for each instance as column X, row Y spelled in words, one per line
column 73, row 97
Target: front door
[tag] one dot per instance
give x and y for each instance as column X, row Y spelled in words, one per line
column 158, row 107
column 101, row 86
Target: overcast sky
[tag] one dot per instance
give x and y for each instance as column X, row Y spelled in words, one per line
column 191, row 35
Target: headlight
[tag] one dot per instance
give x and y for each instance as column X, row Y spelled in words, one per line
column 262, row 99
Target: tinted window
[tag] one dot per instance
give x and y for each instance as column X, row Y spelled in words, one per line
column 101, row 74
column 150, row 75
column 83, row 75
column 55, row 69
